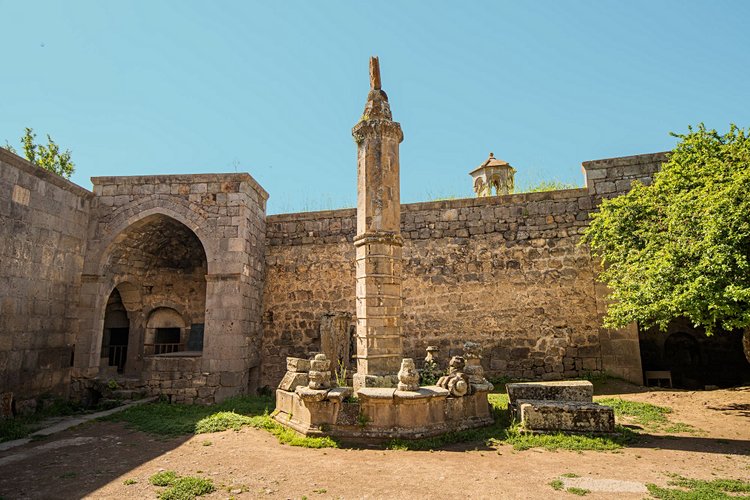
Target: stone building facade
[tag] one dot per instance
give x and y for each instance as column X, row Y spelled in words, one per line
column 183, row 283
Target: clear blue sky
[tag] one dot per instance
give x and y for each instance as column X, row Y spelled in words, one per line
column 273, row 88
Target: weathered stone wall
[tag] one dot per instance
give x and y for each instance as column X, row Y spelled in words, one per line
column 504, row 271
column 43, row 229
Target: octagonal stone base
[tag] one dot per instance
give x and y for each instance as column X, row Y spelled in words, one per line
column 380, row 414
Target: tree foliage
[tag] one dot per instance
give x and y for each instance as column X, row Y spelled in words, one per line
column 681, row 246
column 49, row 157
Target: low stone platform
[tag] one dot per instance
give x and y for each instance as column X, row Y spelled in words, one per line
column 380, row 414
column 566, row 416
column 565, row 405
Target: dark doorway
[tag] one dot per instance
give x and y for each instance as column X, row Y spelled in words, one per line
column 118, row 347
column 695, row 360
column 116, row 332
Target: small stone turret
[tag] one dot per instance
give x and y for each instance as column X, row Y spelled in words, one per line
column 494, row 174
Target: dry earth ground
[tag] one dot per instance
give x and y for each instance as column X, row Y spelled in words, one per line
column 95, row 459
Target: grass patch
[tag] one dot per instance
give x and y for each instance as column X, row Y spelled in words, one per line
column 222, row 421
column 650, row 417
column 557, row 485
column 130, row 481
column 569, row 474
column 21, row 426
column 686, row 489
column 644, row 414
column 578, row 491
column 181, row 487
column 187, row 488
column 521, row 440
column 171, row 420
column 163, row 478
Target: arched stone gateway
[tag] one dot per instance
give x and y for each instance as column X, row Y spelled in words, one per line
column 179, row 259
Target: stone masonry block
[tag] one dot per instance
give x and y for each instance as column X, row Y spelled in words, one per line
column 566, row 390
column 570, row 416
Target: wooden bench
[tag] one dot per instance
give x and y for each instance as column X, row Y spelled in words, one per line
column 658, row 376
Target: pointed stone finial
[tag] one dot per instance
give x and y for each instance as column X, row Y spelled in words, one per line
column 374, row 73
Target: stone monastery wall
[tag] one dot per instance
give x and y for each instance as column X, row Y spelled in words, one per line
column 196, row 255
column 505, row 271
column 43, row 230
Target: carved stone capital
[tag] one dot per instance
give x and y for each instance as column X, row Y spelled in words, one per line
column 387, row 238
column 372, row 128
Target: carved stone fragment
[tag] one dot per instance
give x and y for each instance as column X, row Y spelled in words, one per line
column 408, row 377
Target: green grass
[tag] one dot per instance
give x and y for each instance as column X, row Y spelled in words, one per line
column 557, row 485
column 650, row 417
column 163, row 478
column 171, row 420
column 187, row 488
column 687, row 489
column 21, row 426
column 129, row 481
column 578, row 491
column 181, row 487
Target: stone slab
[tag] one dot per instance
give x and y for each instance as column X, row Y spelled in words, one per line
column 376, row 392
column 562, row 390
column 566, row 416
column 292, row 380
column 339, row 393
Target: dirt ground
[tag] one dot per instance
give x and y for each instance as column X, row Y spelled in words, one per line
column 95, row 459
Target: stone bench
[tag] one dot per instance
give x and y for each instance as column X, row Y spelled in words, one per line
column 566, row 416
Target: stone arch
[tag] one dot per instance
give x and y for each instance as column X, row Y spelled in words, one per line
column 152, row 259
column 135, row 212
column 130, row 295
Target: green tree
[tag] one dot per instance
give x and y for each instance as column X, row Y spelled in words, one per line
column 681, row 246
column 48, row 157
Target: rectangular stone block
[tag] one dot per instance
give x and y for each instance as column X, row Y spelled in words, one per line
column 566, row 416
column 564, row 390
column 298, row 365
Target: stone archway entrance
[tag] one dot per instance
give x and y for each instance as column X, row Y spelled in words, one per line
column 164, row 266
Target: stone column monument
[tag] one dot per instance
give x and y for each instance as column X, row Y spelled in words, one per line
column 378, row 241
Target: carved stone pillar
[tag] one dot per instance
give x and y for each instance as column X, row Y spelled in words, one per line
column 378, row 241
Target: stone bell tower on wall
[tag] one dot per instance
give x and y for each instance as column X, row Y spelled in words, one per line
column 378, row 241
column 494, row 174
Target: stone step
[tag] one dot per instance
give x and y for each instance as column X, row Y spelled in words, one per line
column 123, row 394
column 562, row 390
column 565, row 416
column 130, row 383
